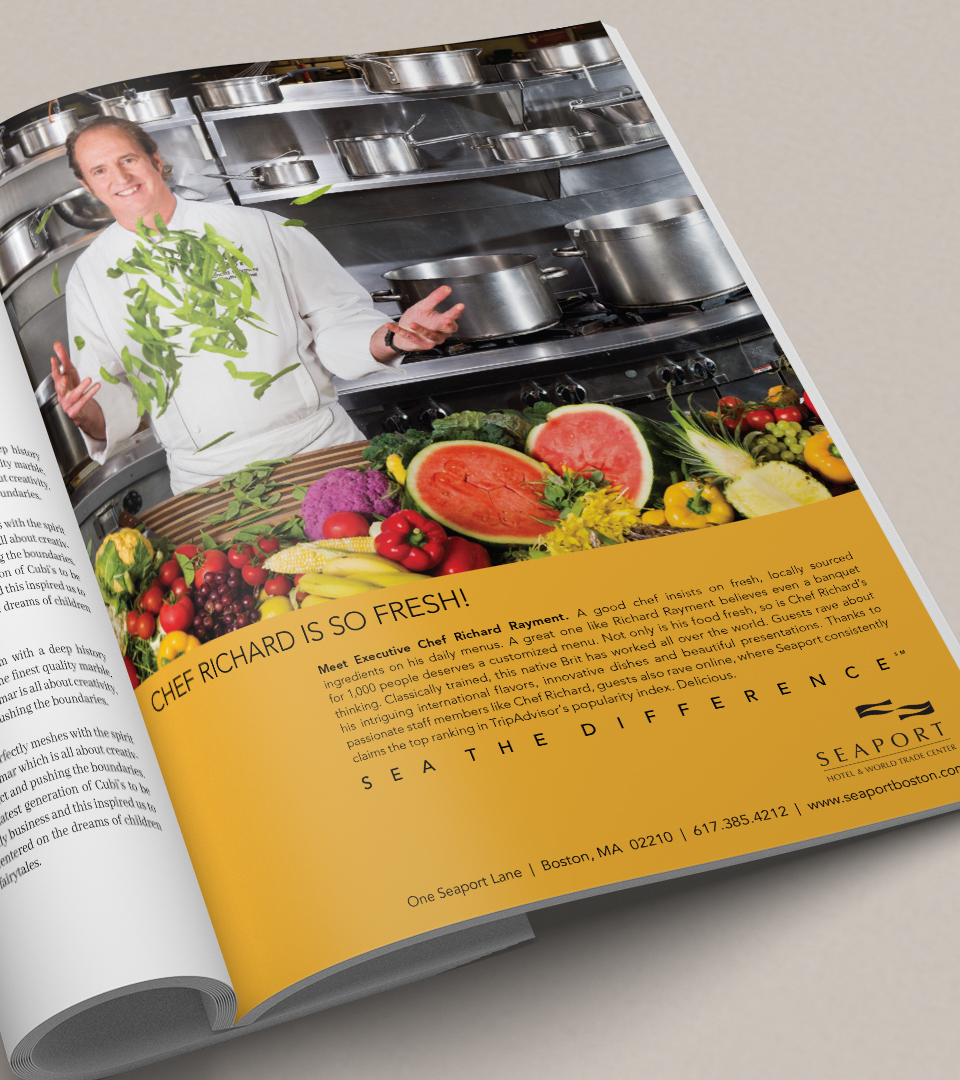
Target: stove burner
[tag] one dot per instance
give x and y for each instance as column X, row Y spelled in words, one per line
column 582, row 316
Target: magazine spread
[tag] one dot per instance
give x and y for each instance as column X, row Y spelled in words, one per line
column 319, row 373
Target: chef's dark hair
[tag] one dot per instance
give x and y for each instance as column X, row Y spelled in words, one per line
column 128, row 127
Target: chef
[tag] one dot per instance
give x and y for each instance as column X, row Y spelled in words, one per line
column 320, row 322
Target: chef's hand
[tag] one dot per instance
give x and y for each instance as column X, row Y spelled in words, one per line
column 421, row 326
column 76, row 397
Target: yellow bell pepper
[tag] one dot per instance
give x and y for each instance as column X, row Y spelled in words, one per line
column 692, row 504
column 175, row 644
column 395, row 468
column 820, row 452
column 653, row 517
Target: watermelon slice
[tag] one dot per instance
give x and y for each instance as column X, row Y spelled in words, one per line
column 590, row 438
column 481, row 490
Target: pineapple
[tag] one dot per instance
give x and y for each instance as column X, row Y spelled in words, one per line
column 753, row 490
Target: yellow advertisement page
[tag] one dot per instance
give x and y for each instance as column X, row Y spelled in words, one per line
column 370, row 769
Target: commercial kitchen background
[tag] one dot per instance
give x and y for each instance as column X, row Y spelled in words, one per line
column 513, row 141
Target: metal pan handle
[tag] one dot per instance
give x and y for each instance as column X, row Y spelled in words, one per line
column 364, row 59
column 384, row 296
column 569, row 253
column 296, row 71
column 447, row 138
column 484, row 146
column 553, row 272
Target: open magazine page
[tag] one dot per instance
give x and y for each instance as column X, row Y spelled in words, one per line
column 471, row 534
column 97, row 895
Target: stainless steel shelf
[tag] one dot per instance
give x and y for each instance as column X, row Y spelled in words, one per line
column 305, row 97
column 435, row 176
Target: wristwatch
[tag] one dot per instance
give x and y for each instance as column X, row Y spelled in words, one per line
column 388, row 341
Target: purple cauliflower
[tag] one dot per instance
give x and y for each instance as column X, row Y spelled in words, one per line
column 363, row 491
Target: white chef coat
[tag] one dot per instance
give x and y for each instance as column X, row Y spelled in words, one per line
column 317, row 314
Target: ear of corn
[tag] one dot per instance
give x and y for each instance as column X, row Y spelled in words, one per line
column 315, row 554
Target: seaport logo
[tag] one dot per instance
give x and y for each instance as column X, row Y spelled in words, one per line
column 904, row 712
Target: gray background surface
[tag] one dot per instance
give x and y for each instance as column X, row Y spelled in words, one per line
column 826, row 135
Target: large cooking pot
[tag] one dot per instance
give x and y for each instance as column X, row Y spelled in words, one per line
column 573, row 55
column 621, row 107
column 250, row 90
column 65, row 437
column 137, row 105
column 444, row 70
column 652, row 256
column 46, row 133
column 82, row 210
column 537, row 144
column 387, row 153
column 5, row 162
column 503, row 295
column 640, row 133
column 21, row 246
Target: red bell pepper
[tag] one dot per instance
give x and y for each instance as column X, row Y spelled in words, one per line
column 412, row 540
column 462, row 555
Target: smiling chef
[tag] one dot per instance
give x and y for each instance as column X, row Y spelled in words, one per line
column 319, row 318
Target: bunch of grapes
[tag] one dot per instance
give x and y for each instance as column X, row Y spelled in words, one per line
column 223, row 603
column 782, row 441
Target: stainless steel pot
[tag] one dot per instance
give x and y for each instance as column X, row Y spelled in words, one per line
column 82, row 210
column 387, row 153
column 288, row 170
column 640, row 133
column 21, row 246
column 652, row 256
column 46, row 133
column 622, row 107
column 444, row 70
column 572, row 55
column 65, row 437
column 536, row 144
column 140, row 106
column 517, row 69
column 252, row 90
column 503, row 295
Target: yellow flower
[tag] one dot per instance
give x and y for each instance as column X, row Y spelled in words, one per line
column 604, row 513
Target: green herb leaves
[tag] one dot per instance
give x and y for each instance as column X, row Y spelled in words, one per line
column 304, row 199
column 202, row 282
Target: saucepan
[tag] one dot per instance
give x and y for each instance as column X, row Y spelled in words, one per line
column 140, row 106
column 620, row 106
column 503, row 295
column 387, row 153
column 21, row 245
column 250, row 90
column 46, row 133
column 82, row 210
column 5, row 162
column 290, row 169
column 537, row 144
column 413, row 72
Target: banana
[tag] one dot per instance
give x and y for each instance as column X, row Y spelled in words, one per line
column 312, row 600
column 332, row 587
column 360, row 564
column 385, row 580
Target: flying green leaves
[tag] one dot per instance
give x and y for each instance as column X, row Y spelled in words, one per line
column 55, row 280
column 304, row 199
column 296, row 221
column 199, row 298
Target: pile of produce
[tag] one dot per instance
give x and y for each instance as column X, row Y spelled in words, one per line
column 478, row 488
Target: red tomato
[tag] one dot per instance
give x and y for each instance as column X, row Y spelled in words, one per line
column 240, row 554
column 132, row 617
column 791, row 414
column 176, row 616
column 169, row 573
column 268, row 544
column 146, row 624
column 730, row 402
column 152, row 600
column 254, row 575
column 344, row 524
column 179, row 588
column 759, row 418
column 278, row 586
column 214, row 562
column 131, row 672
column 730, row 411
column 189, row 550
